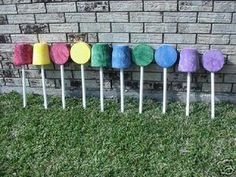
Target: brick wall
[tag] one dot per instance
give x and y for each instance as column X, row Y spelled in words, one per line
column 204, row 24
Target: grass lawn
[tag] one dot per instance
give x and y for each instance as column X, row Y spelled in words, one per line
column 76, row 142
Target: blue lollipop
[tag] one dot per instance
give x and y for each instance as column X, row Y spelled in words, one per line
column 165, row 57
column 121, row 59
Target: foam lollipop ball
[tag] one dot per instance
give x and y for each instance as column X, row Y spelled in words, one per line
column 165, row 56
column 121, row 57
column 189, row 60
column 213, row 60
column 22, row 54
column 80, row 52
column 101, row 55
column 59, row 53
column 142, row 55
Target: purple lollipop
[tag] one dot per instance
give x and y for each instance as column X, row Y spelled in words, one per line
column 189, row 60
column 213, row 60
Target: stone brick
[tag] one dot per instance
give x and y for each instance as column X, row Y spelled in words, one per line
column 145, row 17
column 187, row 17
column 64, row 27
column 224, row 28
column 3, row 19
column 16, row 1
column 80, row 17
column 52, row 74
column 17, row 19
column 212, row 39
column 35, row 83
column 31, row 38
column 148, row 76
column 231, row 60
column 125, row 5
column 201, row 5
column 7, row 29
column 113, row 37
column 127, row 27
column 219, row 87
column 5, row 39
column 224, row 6
column 50, row 18
column 52, row 37
column 8, row 9
column 179, row 38
column 14, row 82
column 112, row 17
column 194, row 28
column 93, row 6
column 34, row 28
column 6, row 47
column 146, row 38
column 234, row 18
column 161, row 27
column 230, row 78
column 228, row 69
column 226, row 49
column 232, row 39
column 92, row 37
column 160, row 5
column 61, row 7
column 95, row 27
column 200, row 47
column 74, row 37
column 31, row 8
column 210, row 17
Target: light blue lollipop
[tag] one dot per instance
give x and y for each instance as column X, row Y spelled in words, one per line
column 166, row 56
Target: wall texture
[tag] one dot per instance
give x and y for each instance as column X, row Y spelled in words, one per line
column 204, row 24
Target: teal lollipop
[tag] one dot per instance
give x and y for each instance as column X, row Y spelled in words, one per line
column 142, row 55
column 101, row 57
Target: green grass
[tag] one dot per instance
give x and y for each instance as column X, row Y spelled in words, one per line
column 76, row 142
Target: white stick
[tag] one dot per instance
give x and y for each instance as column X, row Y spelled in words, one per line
column 141, row 90
column 23, row 86
column 188, row 93
column 101, row 89
column 83, row 87
column 122, row 90
column 212, row 95
column 62, row 87
column 164, row 90
column 44, row 88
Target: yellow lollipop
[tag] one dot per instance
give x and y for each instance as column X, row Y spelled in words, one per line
column 41, row 54
column 80, row 52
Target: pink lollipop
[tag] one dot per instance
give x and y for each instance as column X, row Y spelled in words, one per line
column 23, row 56
column 59, row 53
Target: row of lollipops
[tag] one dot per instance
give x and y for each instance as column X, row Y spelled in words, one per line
column 119, row 57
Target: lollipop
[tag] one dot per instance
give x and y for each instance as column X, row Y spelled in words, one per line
column 165, row 57
column 213, row 61
column 101, row 57
column 80, row 54
column 189, row 62
column 41, row 57
column 142, row 55
column 121, row 59
column 23, row 56
column 59, row 53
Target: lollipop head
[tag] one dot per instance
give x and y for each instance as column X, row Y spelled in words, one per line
column 80, row 52
column 101, row 55
column 213, row 60
column 59, row 53
column 22, row 54
column 121, row 57
column 166, row 56
column 142, row 55
column 41, row 54
column 189, row 60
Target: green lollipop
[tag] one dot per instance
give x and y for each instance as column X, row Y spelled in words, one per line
column 101, row 55
column 142, row 55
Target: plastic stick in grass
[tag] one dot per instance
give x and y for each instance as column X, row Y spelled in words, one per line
column 101, row 57
column 59, row 53
column 165, row 57
column 213, row 61
column 121, row 59
column 189, row 63
column 142, row 55
column 80, row 53
column 41, row 57
column 23, row 56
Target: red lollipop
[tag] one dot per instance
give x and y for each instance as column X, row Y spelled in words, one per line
column 59, row 53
